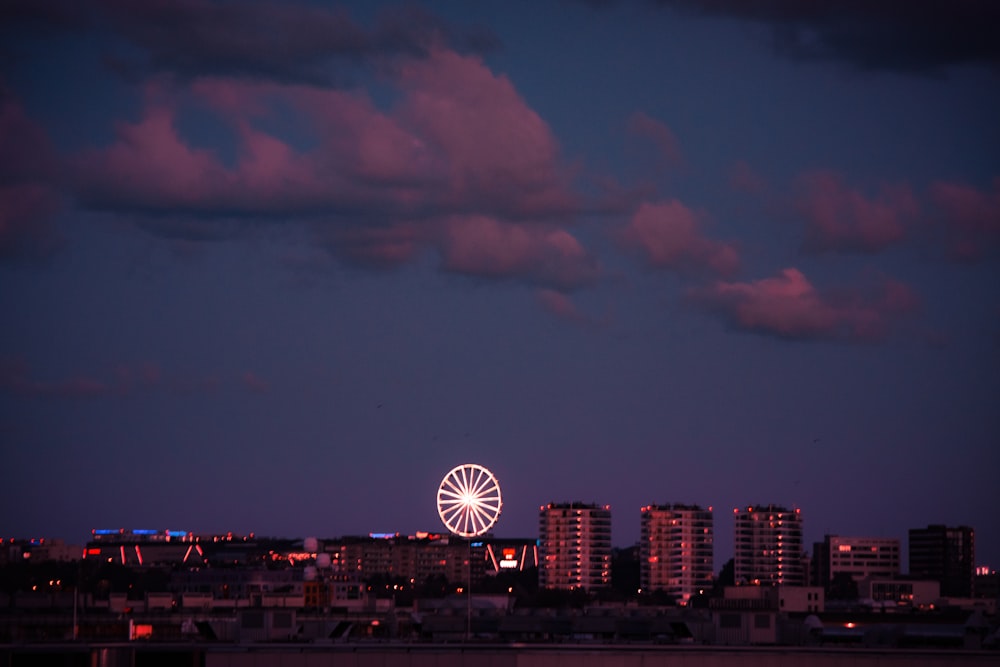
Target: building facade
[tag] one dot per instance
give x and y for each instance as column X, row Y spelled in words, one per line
column 858, row 557
column 676, row 550
column 414, row 559
column 575, row 546
column 946, row 555
column 768, row 546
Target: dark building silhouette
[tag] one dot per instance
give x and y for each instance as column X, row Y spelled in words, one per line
column 946, row 555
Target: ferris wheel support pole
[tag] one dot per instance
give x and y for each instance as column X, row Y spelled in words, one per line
column 468, row 597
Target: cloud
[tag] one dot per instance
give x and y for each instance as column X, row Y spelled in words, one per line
column 380, row 247
column 658, row 134
column 969, row 217
column 913, row 36
column 260, row 40
column 500, row 154
column 743, row 178
column 841, row 219
column 668, row 235
column 254, row 383
column 560, row 305
column 488, row 248
column 27, row 153
column 459, row 162
column 26, row 231
column 461, row 140
column 16, row 378
column 46, row 15
column 28, row 199
column 143, row 376
column 788, row 306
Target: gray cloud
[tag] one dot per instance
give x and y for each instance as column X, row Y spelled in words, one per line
column 912, row 36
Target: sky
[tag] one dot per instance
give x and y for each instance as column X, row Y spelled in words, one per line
column 277, row 268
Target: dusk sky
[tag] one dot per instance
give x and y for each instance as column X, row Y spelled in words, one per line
column 278, row 267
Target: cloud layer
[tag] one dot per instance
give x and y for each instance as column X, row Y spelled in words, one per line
column 843, row 219
column 459, row 164
column 668, row 235
column 914, row 36
column 788, row 306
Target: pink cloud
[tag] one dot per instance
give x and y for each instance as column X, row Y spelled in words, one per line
column 788, row 306
column 26, row 230
column 668, row 235
column 143, row 376
column 969, row 216
column 743, row 178
column 123, row 380
column 560, row 305
column 500, row 154
column 841, row 219
column 384, row 247
column 460, row 159
column 15, row 377
column 254, row 383
column 645, row 127
column 486, row 247
column 28, row 199
column 25, row 147
column 151, row 167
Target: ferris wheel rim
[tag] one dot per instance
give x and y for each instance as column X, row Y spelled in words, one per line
column 469, row 501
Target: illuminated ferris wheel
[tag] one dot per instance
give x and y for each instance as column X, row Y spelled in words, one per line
column 468, row 500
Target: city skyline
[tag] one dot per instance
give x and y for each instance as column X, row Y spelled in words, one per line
column 808, row 545
column 279, row 267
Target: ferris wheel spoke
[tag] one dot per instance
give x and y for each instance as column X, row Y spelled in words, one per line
column 475, row 477
column 452, row 511
column 483, row 519
column 484, row 523
column 487, row 510
column 453, row 484
column 470, row 522
column 481, row 506
column 448, row 502
column 449, row 492
column 486, row 483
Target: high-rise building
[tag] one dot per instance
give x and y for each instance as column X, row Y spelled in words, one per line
column 768, row 546
column 575, row 546
column 675, row 550
column 946, row 555
column 858, row 557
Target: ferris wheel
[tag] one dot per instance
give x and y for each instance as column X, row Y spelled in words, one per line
column 468, row 500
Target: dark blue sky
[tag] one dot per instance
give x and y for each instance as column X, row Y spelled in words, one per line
column 278, row 268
